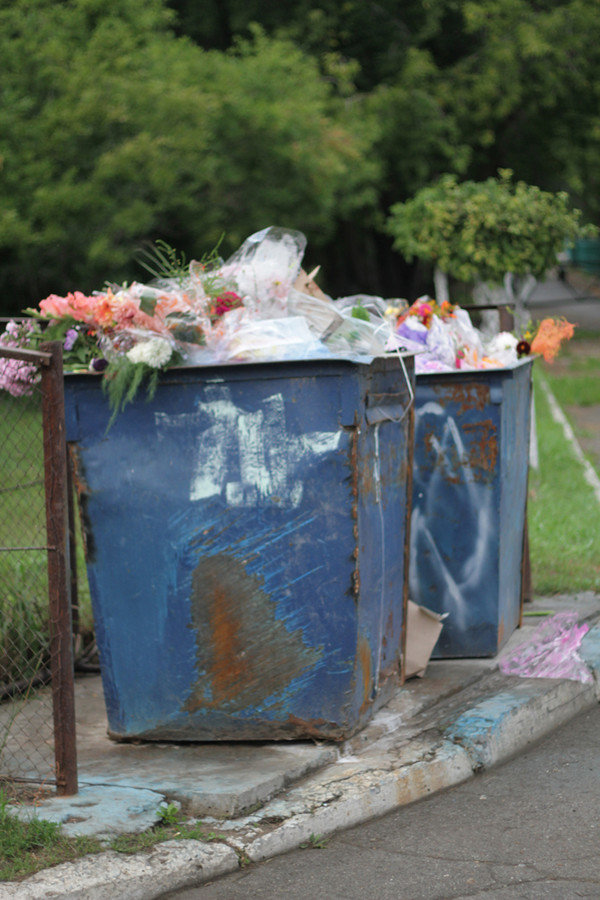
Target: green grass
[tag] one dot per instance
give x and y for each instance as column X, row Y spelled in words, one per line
column 582, row 363
column 137, row 843
column 23, row 577
column 23, row 572
column 563, row 514
column 577, row 390
column 27, row 847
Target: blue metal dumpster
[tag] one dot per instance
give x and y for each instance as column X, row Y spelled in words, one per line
column 245, row 546
column 469, row 500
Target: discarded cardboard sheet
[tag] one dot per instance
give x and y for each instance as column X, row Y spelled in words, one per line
column 306, row 284
column 423, row 628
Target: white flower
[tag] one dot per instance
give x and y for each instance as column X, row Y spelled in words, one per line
column 503, row 349
column 503, row 341
column 155, row 353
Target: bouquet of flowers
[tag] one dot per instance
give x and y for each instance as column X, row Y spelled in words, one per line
column 444, row 339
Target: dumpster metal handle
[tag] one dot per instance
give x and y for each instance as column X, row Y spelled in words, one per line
column 385, row 412
column 387, row 407
column 390, row 407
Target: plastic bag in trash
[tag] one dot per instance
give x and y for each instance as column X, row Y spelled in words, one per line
column 320, row 314
column 264, row 269
column 356, row 337
column 551, row 652
column 264, row 339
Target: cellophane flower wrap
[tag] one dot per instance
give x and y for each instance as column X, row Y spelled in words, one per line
column 258, row 305
column 444, row 339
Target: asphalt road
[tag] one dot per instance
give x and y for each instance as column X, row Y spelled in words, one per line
column 528, row 829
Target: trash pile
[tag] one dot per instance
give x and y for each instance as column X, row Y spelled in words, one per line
column 551, row 652
column 258, row 305
column 444, row 339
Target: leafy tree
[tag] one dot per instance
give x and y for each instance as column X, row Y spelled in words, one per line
column 492, row 230
column 132, row 120
column 374, row 35
column 526, row 95
column 114, row 131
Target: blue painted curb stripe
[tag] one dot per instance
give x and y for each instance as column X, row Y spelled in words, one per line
column 590, row 650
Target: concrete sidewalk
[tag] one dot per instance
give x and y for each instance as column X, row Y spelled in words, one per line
column 577, row 298
column 263, row 799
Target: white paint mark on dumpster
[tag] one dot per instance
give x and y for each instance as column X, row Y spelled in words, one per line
column 216, row 444
column 454, row 582
column 321, row 441
column 255, row 442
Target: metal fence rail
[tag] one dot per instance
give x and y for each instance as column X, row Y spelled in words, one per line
column 37, row 720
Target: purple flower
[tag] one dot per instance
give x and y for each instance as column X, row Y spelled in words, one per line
column 70, row 338
column 98, row 365
column 413, row 334
column 16, row 377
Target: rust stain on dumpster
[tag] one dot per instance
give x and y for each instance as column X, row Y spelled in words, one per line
column 228, row 665
column 447, row 462
column 243, row 653
column 466, row 396
column 479, row 454
column 83, row 492
column 483, row 445
column 364, row 665
column 501, row 631
column 316, row 728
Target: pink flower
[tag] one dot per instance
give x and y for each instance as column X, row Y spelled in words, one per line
column 16, row 377
column 423, row 311
column 76, row 305
column 225, row 302
column 56, row 307
column 84, row 307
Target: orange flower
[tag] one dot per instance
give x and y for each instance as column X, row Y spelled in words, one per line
column 549, row 337
column 170, row 303
column 447, row 310
column 77, row 305
column 103, row 312
column 55, row 306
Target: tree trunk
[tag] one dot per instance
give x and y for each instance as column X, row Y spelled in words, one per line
column 440, row 281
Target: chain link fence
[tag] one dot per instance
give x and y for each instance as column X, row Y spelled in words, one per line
column 37, row 725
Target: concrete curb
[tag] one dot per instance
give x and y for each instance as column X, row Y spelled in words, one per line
column 356, row 794
column 167, row 867
column 508, row 715
column 499, row 726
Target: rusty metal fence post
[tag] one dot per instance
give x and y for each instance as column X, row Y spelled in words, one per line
column 58, row 652
column 59, row 571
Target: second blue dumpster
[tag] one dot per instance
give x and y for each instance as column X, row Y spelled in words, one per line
column 469, row 504
column 245, row 543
